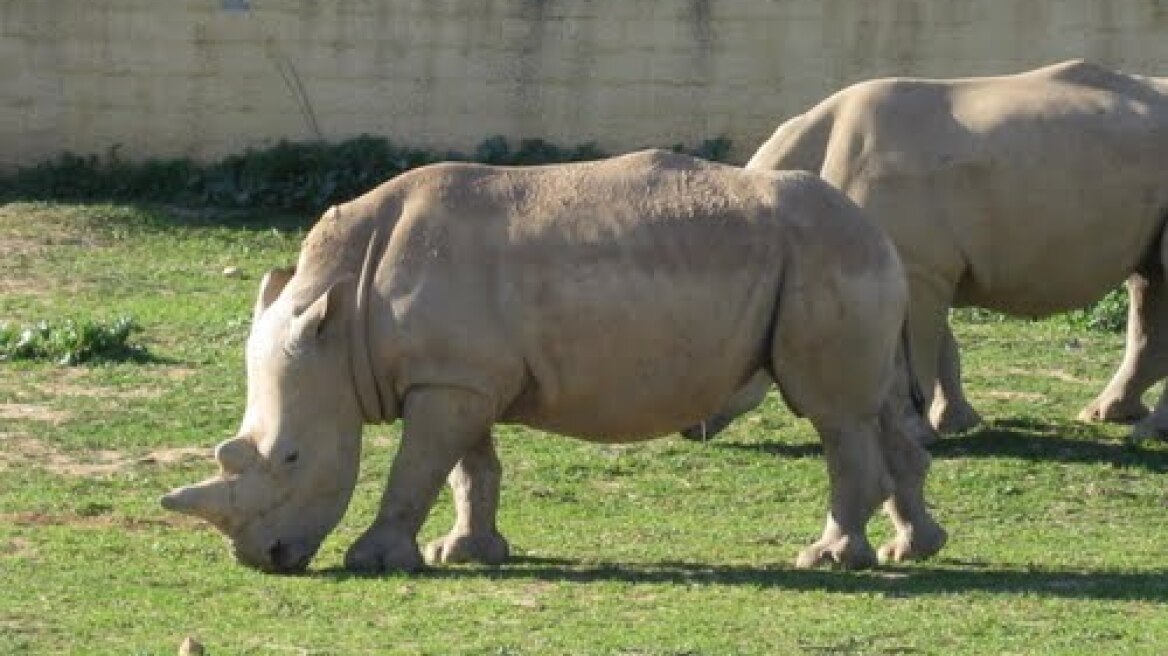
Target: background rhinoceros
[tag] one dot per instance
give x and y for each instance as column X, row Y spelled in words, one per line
column 612, row 301
column 1029, row 194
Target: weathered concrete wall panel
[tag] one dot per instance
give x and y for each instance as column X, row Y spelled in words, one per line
column 190, row 78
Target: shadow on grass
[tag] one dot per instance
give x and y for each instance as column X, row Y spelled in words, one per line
column 779, row 449
column 1034, row 440
column 944, row 577
column 1020, row 438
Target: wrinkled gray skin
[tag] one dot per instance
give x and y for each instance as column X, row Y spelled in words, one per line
column 1028, row 194
column 578, row 299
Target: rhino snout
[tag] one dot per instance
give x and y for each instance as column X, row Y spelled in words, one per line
column 279, row 557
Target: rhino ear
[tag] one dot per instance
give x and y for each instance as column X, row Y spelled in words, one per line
column 236, row 455
column 209, row 500
column 270, row 287
column 325, row 313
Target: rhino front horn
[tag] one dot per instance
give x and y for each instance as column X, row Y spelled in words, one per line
column 208, row 500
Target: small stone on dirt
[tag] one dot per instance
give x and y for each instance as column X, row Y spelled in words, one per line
column 190, row 647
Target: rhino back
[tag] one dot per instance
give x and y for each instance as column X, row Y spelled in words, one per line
column 1058, row 172
column 613, row 300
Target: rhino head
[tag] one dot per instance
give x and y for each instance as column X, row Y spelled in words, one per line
column 286, row 479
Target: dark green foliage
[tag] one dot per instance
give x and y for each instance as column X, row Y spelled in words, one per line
column 297, row 177
column 70, row 343
column 304, row 176
column 496, row 150
column 715, row 150
column 1108, row 315
column 75, row 177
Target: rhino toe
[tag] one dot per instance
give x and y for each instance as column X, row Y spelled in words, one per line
column 844, row 552
column 924, row 543
column 372, row 555
column 1118, row 410
column 952, row 418
column 487, row 549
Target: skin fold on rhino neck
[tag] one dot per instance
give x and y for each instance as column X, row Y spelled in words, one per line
column 370, row 394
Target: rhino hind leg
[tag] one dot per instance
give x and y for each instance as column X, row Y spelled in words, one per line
column 475, row 537
column 441, row 426
column 918, row 535
column 832, row 357
column 859, row 484
column 1145, row 360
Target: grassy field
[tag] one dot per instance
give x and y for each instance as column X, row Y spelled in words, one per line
column 1059, row 543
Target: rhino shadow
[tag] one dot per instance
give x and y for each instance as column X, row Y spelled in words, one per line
column 1027, row 439
column 1023, row 439
column 943, row 577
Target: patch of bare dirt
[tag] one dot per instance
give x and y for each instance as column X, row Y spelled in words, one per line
column 32, row 412
column 180, row 373
column 12, row 246
column 23, row 451
column 74, row 382
column 1057, row 374
column 103, row 520
column 74, row 389
column 1015, row 396
column 17, row 547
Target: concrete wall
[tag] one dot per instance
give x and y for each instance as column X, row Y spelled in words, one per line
column 195, row 78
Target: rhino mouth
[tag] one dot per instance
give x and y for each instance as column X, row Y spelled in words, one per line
column 280, row 557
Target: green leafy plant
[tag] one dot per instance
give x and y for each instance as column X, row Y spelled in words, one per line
column 1107, row 315
column 71, row 343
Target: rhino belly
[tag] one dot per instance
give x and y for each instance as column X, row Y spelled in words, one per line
column 643, row 357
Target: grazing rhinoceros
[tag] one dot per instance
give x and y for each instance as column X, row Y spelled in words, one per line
column 612, row 301
column 1029, row 194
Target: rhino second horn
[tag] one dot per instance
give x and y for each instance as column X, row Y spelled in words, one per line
column 209, row 500
column 235, row 455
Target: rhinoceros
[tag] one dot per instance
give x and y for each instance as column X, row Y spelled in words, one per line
column 612, row 301
column 1029, row 194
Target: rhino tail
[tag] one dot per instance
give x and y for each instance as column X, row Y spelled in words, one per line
column 906, row 362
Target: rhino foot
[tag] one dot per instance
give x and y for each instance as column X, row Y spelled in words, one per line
column 1111, row 408
column 920, row 544
column 375, row 553
column 950, row 418
column 1152, row 427
column 843, row 552
column 486, row 548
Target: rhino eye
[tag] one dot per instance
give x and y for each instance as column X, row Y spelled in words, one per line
column 291, row 457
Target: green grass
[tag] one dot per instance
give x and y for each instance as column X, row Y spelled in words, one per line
column 1058, row 532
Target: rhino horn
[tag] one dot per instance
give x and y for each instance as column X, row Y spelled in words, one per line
column 236, row 454
column 209, row 500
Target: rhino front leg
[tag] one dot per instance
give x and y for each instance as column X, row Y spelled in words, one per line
column 859, row 484
column 441, row 425
column 1144, row 359
column 951, row 411
column 475, row 484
